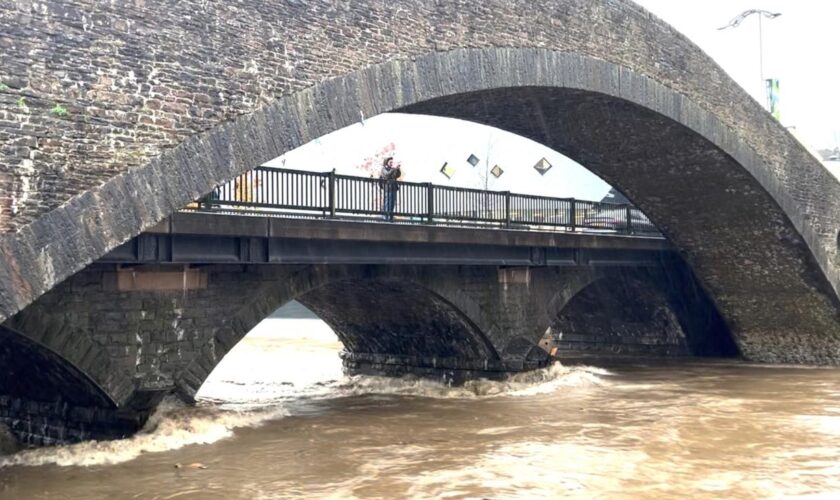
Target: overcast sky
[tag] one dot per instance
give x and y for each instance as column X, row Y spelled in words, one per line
column 799, row 49
column 422, row 144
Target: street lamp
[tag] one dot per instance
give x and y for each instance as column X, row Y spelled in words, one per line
column 737, row 20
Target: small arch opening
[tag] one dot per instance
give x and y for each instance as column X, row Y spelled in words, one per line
column 367, row 326
column 640, row 314
column 619, row 316
column 46, row 400
column 289, row 352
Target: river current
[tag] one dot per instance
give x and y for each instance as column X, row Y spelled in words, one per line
column 278, row 419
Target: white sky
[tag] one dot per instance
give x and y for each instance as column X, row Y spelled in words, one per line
column 799, row 49
column 423, row 143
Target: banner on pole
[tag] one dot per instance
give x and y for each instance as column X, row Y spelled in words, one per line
column 773, row 97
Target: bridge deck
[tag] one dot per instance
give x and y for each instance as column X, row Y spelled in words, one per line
column 197, row 238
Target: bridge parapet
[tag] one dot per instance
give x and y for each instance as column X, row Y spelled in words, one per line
column 327, row 195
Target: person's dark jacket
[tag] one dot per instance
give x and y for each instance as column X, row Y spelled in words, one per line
column 388, row 179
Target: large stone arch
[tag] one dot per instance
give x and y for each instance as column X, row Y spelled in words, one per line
column 647, row 104
column 709, row 199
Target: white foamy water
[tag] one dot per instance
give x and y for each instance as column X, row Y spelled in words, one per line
column 171, row 427
column 542, row 381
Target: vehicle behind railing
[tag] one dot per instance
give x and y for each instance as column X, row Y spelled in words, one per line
column 296, row 193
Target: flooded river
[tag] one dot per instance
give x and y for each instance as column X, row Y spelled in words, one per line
column 278, row 419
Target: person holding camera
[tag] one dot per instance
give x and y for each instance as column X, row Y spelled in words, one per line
column 388, row 183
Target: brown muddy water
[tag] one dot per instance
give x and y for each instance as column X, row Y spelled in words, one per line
column 279, row 420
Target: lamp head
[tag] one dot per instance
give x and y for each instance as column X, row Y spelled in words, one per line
column 737, row 20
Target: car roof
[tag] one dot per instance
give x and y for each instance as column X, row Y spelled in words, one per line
column 614, row 196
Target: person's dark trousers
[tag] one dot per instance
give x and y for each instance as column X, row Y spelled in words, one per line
column 388, row 204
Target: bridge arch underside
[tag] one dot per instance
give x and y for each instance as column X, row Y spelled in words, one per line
column 716, row 210
column 452, row 322
column 45, row 399
column 392, row 326
column 640, row 312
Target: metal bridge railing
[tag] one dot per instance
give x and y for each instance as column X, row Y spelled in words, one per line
column 296, row 193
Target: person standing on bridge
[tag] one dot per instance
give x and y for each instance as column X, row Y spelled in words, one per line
column 388, row 183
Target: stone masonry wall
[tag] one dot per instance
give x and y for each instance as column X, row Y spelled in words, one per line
column 147, row 340
column 45, row 400
column 146, row 335
column 90, row 89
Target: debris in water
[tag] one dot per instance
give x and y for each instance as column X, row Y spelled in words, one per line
column 191, row 466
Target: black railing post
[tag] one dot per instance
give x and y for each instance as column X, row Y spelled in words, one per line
column 572, row 215
column 507, row 208
column 629, row 219
column 331, row 193
column 430, row 203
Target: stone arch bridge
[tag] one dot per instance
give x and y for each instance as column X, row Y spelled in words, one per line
column 115, row 115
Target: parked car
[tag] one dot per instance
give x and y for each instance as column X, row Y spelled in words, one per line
column 611, row 216
column 615, row 197
column 614, row 219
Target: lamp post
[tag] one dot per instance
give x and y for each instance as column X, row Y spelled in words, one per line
column 737, row 20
